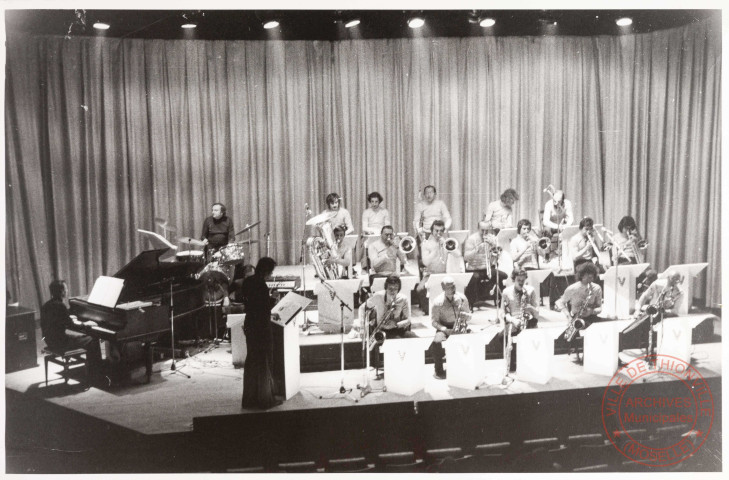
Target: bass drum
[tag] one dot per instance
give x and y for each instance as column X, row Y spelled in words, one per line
column 215, row 279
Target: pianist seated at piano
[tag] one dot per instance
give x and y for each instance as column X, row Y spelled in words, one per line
column 57, row 326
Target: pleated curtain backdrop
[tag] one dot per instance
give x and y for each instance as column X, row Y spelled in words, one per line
column 104, row 135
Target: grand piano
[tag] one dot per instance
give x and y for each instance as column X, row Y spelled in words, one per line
column 142, row 312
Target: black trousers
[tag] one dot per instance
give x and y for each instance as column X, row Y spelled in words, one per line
column 481, row 286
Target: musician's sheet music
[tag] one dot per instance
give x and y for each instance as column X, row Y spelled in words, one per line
column 106, row 291
column 289, row 306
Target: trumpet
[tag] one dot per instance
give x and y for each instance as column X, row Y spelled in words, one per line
column 637, row 244
column 450, row 244
column 406, row 244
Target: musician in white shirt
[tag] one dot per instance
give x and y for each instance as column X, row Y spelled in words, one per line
column 430, row 209
column 499, row 213
column 338, row 215
column 376, row 216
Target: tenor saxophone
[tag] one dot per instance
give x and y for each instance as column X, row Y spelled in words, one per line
column 576, row 322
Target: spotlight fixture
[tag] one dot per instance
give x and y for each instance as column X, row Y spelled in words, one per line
column 270, row 24
column 352, row 23
column 416, row 22
column 487, row 22
column 101, row 26
column 624, row 22
column 188, row 26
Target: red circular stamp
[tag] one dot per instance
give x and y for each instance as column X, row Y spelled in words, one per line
column 657, row 410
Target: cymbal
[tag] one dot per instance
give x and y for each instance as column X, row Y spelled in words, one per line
column 322, row 217
column 248, row 228
column 191, row 241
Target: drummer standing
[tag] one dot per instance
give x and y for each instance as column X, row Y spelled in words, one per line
column 338, row 215
column 217, row 229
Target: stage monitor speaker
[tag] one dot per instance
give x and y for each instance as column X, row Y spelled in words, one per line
column 20, row 347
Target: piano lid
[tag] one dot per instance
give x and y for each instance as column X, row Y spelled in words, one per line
column 143, row 274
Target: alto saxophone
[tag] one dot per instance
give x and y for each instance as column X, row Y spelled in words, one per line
column 576, row 322
column 461, row 325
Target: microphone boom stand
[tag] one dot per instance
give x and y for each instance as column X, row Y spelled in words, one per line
column 173, row 366
column 342, row 306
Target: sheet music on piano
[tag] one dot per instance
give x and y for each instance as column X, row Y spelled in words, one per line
column 106, row 291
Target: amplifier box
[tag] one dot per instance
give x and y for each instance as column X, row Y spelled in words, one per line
column 20, row 347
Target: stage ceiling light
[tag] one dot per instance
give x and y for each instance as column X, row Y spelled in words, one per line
column 188, row 25
column 487, row 22
column 416, row 22
column 624, row 22
column 352, row 23
column 270, row 24
column 101, row 26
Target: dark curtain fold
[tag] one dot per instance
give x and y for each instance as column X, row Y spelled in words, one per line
column 104, row 135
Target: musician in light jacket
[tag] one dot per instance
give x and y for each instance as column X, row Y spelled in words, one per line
column 515, row 296
column 447, row 308
column 583, row 299
column 388, row 308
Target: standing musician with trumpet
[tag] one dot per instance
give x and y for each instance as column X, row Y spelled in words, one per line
column 526, row 247
column 450, row 315
column 518, row 309
column 481, row 252
column 384, row 252
column 388, row 315
column 586, row 245
column 436, row 250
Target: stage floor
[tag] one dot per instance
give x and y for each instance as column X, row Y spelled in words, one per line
column 170, row 401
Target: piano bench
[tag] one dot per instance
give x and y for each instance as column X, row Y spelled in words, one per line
column 66, row 359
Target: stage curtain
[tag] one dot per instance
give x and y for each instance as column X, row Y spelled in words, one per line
column 104, row 135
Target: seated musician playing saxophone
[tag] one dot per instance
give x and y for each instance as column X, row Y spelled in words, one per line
column 481, row 252
column 435, row 260
column 583, row 299
column 450, row 314
column 388, row 309
column 663, row 294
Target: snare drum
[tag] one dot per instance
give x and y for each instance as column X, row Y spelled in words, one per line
column 196, row 256
column 232, row 254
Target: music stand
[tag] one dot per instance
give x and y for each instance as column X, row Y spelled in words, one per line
column 366, row 388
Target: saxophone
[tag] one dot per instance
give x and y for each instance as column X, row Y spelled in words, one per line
column 461, row 325
column 525, row 316
column 576, row 322
column 377, row 336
